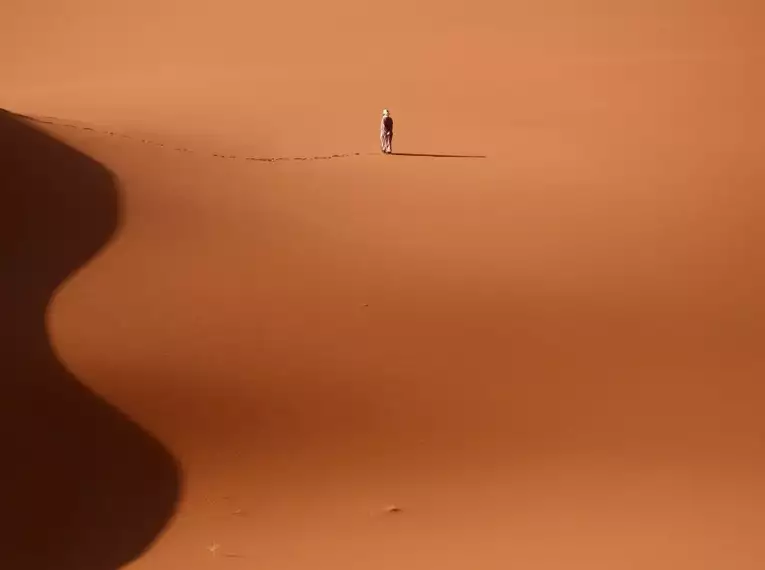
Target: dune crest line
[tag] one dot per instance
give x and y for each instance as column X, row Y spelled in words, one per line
column 62, row 123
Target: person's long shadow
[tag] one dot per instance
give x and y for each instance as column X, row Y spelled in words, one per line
column 82, row 487
column 438, row 155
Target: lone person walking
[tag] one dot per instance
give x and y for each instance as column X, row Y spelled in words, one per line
column 386, row 132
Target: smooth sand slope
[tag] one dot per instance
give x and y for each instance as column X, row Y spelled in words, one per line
column 551, row 357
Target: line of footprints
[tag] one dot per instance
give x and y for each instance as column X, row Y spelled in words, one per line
column 183, row 149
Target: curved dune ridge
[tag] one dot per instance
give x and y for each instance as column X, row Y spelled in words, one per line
column 70, row 125
column 224, row 346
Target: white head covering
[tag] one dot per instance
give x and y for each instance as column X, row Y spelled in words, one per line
column 385, row 112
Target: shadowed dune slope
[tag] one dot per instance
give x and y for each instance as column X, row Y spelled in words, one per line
column 82, row 487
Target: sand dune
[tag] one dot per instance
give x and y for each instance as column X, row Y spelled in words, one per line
column 238, row 336
column 83, row 485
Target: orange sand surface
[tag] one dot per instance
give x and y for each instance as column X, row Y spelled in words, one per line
column 235, row 335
